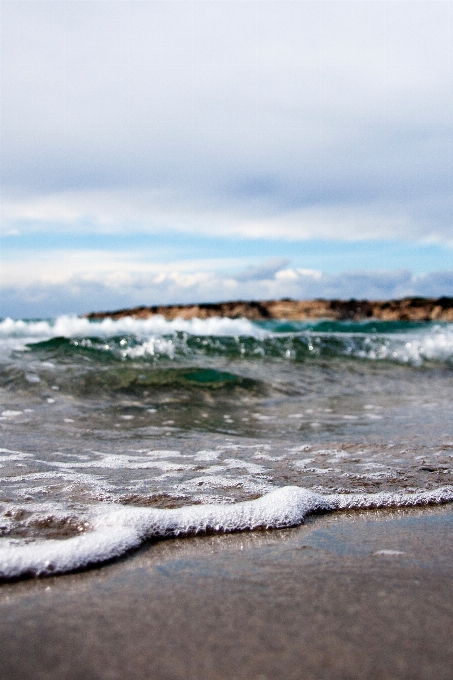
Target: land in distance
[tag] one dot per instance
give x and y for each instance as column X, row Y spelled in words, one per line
column 405, row 309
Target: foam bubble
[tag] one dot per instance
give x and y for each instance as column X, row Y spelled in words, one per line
column 74, row 326
column 117, row 461
column 115, row 530
column 433, row 344
column 153, row 338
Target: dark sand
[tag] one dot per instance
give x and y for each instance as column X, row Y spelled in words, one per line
column 312, row 602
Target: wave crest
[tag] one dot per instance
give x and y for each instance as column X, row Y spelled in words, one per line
column 157, row 338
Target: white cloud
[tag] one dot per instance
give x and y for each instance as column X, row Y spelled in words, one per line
column 120, row 211
column 114, row 290
column 297, row 274
column 111, row 268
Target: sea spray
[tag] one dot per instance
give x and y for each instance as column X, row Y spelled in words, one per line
column 177, row 339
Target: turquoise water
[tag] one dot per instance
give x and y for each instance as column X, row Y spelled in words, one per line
column 163, row 414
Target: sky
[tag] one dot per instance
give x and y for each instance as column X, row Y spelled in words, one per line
column 176, row 151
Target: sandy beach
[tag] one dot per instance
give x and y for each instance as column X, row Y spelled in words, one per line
column 350, row 595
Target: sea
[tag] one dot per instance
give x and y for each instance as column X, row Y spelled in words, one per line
column 118, row 432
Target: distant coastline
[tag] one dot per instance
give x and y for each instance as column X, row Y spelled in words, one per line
column 404, row 309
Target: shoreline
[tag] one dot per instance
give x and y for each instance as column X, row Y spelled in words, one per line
column 405, row 309
column 363, row 594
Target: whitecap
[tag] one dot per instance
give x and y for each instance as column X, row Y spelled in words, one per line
column 74, row 326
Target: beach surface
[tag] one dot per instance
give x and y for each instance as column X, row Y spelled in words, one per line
column 349, row 595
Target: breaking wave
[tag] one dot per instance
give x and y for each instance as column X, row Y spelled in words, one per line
column 155, row 339
column 77, row 327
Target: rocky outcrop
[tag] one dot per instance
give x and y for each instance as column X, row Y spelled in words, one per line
column 406, row 309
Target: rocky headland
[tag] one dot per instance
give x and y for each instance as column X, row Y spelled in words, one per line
column 405, row 309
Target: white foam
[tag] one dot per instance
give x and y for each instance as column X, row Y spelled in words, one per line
column 74, row 326
column 433, row 344
column 389, row 552
column 206, row 455
column 7, row 454
column 252, row 468
column 115, row 461
column 389, row 499
column 115, row 530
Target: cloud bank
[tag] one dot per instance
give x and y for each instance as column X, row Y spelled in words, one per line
column 201, row 125
column 115, row 291
column 285, row 120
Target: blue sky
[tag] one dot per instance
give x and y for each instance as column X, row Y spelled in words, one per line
column 186, row 151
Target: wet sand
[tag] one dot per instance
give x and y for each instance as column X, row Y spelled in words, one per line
column 320, row 601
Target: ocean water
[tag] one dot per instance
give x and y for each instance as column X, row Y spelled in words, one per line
column 117, row 432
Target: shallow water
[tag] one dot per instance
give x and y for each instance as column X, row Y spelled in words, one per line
column 157, row 414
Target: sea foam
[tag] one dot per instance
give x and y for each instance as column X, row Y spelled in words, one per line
column 156, row 337
column 74, row 326
column 115, row 530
